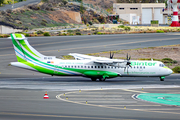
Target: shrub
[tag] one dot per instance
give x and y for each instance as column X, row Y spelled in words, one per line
column 64, row 2
column 159, row 31
column 154, row 22
column 43, row 23
column 121, row 26
column 46, row 34
column 99, row 33
column 78, row 33
column 167, row 60
column 64, row 34
column 127, row 28
column 9, row 11
column 27, row 35
column 39, row 32
column 43, row 20
column 176, row 69
column 69, row 31
column 95, row 32
column 90, row 23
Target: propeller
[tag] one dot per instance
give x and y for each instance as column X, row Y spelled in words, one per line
column 128, row 64
column 111, row 56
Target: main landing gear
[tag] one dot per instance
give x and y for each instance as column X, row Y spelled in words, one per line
column 93, row 79
column 162, row 78
column 100, row 79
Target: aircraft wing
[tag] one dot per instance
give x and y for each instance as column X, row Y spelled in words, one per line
column 100, row 60
column 78, row 56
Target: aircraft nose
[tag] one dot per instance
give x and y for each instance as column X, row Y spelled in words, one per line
column 170, row 71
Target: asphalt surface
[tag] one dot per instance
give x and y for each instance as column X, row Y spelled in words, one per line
column 22, row 98
column 22, row 91
column 20, row 4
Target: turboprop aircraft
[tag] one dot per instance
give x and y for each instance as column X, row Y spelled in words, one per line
column 87, row 66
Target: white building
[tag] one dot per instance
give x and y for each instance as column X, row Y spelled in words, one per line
column 141, row 13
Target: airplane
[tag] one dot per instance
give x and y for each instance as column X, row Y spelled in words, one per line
column 84, row 65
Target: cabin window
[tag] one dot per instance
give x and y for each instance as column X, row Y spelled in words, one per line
column 81, row 66
column 112, row 67
column 144, row 67
column 121, row 8
column 71, row 66
column 65, row 66
column 91, row 66
column 101, row 66
column 134, row 67
column 68, row 66
column 108, row 67
column 137, row 67
column 74, row 66
column 88, row 66
column 104, row 66
column 95, row 66
column 84, row 66
column 140, row 67
column 78, row 66
column 98, row 66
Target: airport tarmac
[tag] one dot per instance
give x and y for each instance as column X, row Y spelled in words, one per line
column 22, row 91
column 80, row 98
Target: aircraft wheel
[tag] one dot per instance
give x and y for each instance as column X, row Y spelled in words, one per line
column 161, row 79
column 93, row 79
column 102, row 79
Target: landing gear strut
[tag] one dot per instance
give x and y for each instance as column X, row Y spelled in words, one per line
column 102, row 79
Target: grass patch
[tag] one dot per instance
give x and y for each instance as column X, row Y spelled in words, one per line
column 68, row 57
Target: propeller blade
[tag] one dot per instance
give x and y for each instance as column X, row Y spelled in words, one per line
column 127, row 71
column 110, row 55
column 129, row 58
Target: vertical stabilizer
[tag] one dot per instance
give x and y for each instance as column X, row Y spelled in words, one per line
column 24, row 51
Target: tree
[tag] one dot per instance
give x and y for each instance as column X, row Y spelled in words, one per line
column 1, row 2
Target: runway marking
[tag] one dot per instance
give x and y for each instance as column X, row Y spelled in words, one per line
column 100, row 45
column 59, row 116
column 103, row 106
column 133, row 91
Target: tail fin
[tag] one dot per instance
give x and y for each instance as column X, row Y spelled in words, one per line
column 24, row 51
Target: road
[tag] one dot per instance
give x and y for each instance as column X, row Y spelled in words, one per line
column 21, row 91
column 20, row 4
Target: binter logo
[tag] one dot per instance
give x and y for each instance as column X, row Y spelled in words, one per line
column 143, row 63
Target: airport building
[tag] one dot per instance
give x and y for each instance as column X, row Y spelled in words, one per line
column 140, row 13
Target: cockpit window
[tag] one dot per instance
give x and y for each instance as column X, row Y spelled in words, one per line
column 161, row 65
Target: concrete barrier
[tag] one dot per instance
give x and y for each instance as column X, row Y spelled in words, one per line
column 8, row 30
